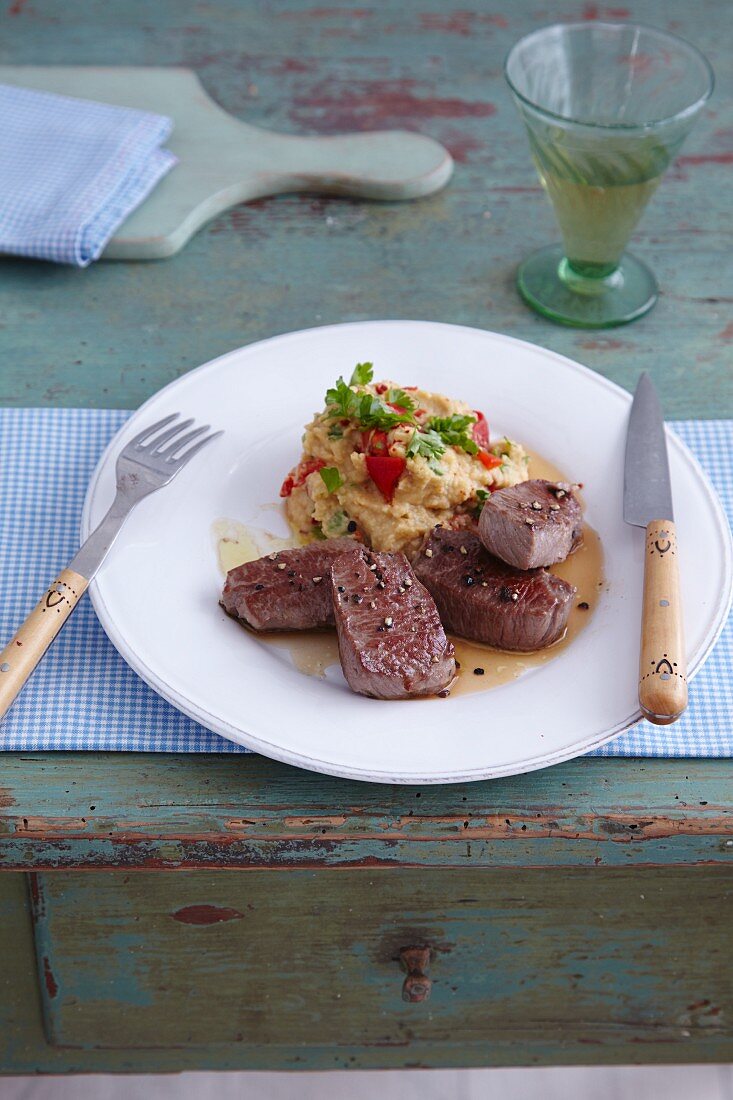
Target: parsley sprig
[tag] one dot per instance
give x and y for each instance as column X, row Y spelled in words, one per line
column 454, row 431
column 396, row 396
column 344, row 403
column 340, row 400
column 362, row 374
column 429, row 445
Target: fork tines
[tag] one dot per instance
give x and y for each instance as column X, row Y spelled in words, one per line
column 150, row 443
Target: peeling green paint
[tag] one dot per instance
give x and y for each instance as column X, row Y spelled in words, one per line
column 525, row 954
column 168, row 812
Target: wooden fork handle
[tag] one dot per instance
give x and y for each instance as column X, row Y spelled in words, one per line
column 24, row 651
column 662, row 665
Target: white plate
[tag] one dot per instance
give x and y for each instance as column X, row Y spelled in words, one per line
column 156, row 595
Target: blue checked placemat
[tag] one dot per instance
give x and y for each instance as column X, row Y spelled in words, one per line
column 46, row 460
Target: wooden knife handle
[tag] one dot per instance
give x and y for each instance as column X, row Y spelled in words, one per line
column 662, row 664
column 24, row 651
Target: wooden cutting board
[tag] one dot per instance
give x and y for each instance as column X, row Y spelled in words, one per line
column 223, row 161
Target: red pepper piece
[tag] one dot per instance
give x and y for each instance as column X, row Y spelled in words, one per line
column 385, row 472
column 490, row 461
column 481, row 430
column 297, row 476
column 374, row 441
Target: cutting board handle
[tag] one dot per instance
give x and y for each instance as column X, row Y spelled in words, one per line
column 224, row 160
column 388, row 164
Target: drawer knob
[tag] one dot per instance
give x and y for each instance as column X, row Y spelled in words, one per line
column 417, row 985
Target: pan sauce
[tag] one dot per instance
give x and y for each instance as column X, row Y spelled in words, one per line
column 314, row 652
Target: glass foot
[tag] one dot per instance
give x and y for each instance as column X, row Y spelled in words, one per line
column 553, row 288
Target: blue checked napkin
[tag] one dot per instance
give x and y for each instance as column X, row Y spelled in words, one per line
column 47, row 457
column 71, row 171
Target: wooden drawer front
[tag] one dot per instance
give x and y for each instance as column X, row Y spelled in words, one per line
column 163, row 960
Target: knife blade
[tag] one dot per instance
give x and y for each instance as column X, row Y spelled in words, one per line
column 648, row 503
column 647, row 486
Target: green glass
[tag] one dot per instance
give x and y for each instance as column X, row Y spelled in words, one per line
column 606, row 107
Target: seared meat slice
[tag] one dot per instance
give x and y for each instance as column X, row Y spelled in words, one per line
column 287, row 590
column 533, row 524
column 391, row 642
column 482, row 598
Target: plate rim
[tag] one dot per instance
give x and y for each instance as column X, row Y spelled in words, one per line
column 222, row 728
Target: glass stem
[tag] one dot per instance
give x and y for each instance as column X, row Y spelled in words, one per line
column 588, row 278
column 589, row 270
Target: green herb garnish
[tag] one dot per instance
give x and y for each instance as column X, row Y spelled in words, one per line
column 363, row 374
column 453, row 431
column 429, row 445
column 373, row 413
column 341, row 400
column 344, row 403
column 399, row 397
column 331, row 478
column 441, row 432
column 482, row 495
column 369, row 411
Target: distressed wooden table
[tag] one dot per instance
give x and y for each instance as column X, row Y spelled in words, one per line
column 581, row 914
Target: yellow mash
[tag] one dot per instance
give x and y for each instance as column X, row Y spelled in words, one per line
column 385, row 464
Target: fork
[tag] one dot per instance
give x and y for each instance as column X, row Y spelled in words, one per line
column 147, row 463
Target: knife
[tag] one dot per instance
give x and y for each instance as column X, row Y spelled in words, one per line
column 648, row 503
